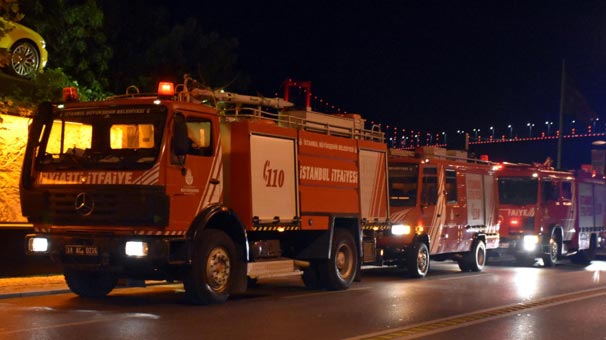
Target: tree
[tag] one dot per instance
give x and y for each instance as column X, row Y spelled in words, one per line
column 9, row 11
column 75, row 39
column 110, row 45
column 151, row 43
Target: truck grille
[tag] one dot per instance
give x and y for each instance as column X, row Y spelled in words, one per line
column 128, row 206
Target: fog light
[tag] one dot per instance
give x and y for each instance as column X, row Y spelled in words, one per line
column 136, row 248
column 400, row 229
column 530, row 242
column 38, row 244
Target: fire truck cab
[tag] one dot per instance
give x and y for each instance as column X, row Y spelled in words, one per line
column 443, row 206
column 537, row 209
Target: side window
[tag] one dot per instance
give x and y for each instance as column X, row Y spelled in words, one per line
column 199, row 134
column 429, row 194
column 451, row 186
column 403, row 180
column 567, row 191
column 550, row 191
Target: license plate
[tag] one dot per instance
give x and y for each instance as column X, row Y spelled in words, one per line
column 504, row 245
column 81, row 250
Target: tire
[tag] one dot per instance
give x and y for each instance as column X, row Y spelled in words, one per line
column 475, row 260
column 417, row 262
column 592, row 252
column 90, row 284
column 24, row 59
column 252, row 283
column 212, row 270
column 585, row 256
column 551, row 258
column 340, row 270
column 463, row 265
column 311, row 277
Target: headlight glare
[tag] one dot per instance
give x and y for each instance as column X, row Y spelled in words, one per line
column 136, row 248
column 38, row 244
column 400, row 229
column 530, row 242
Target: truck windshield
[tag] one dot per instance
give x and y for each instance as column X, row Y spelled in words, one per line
column 518, row 190
column 116, row 138
column 403, row 182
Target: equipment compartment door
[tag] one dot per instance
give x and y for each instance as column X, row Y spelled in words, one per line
column 273, row 178
column 373, row 185
column 475, row 200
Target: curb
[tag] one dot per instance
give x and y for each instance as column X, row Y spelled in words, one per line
column 35, row 286
column 34, row 293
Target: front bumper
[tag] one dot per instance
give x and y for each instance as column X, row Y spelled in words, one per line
column 108, row 253
column 523, row 245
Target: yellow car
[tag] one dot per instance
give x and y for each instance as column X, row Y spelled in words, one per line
column 27, row 51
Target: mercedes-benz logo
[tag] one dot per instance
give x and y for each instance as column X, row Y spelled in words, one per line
column 84, row 204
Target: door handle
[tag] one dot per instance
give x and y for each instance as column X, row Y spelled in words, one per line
column 214, row 181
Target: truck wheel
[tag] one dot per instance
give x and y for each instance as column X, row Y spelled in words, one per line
column 90, row 284
column 592, row 252
column 551, row 258
column 340, row 270
column 311, row 276
column 475, row 260
column 585, row 256
column 211, row 272
column 417, row 262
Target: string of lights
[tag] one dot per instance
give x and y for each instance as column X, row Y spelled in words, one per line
column 403, row 138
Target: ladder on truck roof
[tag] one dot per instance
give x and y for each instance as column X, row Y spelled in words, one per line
column 251, row 107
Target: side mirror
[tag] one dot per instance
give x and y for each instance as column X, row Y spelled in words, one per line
column 180, row 140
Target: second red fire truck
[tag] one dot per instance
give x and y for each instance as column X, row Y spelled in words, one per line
column 443, row 206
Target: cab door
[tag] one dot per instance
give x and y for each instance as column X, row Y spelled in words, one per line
column 195, row 181
column 556, row 206
column 455, row 212
column 430, row 215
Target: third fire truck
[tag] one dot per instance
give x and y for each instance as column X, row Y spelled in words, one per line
column 549, row 214
column 443, row 206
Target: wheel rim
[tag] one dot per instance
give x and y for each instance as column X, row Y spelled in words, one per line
column 344, row 261
column 423, row 260
column 481, row 257
column 218, row 269
column 553, row 250
column 24, row 59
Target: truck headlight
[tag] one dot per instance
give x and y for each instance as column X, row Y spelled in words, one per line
column 136, row 248
column 38, row 245
column 400, row 229
column 530, row 242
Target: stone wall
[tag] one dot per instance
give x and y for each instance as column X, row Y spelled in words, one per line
column 13, row 137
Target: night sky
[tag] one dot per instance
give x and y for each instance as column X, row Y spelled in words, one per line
column 430, row 65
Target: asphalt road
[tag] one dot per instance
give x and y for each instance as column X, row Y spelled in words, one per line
column 503, row 302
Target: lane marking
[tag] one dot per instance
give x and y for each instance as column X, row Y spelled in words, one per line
column 460, row 276
column 465, row 320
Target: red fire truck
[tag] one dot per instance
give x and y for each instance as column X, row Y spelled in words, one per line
column 442, row 207
column 538, row 209
column 169, row 187
column 590, row 223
